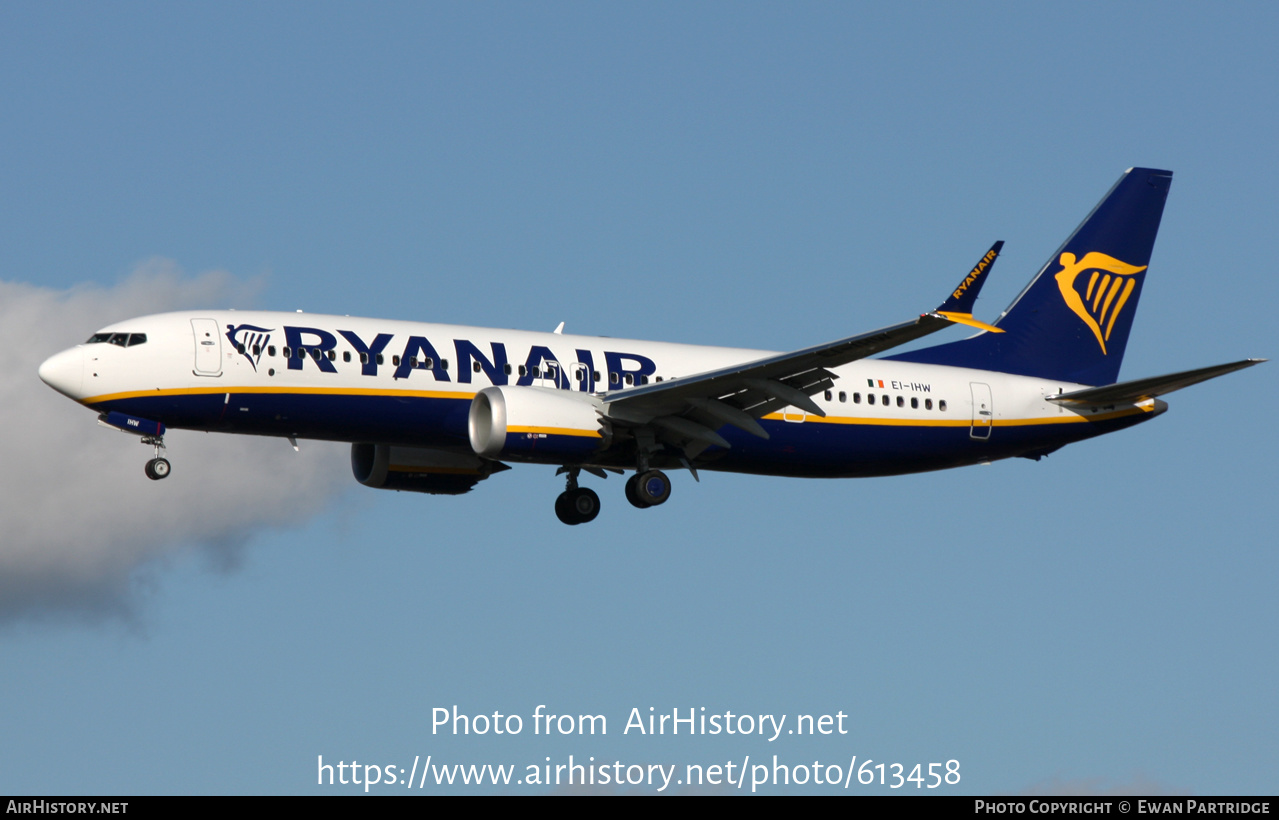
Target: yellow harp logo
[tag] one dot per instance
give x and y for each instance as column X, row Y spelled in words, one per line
column 1105, row 295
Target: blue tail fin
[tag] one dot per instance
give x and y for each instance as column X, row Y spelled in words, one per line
column 1072, row 321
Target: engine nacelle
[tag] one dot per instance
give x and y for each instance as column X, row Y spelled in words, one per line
column 418, row 469
column 536, row 424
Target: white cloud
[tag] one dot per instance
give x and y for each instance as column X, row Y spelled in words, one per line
column 77, row 516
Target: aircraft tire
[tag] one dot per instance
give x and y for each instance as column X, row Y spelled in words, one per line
column 585, row 505
column 564, row 509
column 653, row 488
column 158, row 468
column 632, row 492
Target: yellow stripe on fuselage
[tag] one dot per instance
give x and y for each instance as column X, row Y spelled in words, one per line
column 872, row 421
column 301, row 391
column 962, row 422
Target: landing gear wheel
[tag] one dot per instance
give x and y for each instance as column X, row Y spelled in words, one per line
column 157, row 468
column 632, row 493
column 585, row 504
column 578, row 506
column 563, row 509
column 652, row 488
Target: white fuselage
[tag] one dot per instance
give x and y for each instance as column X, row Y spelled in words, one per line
column 410, row 384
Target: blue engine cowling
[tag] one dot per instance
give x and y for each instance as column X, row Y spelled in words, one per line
column 418, row 469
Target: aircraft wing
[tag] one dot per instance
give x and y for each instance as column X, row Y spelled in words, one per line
column 688, row 410
column 1142, row 389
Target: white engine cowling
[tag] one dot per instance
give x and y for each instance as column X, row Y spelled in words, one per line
column 536, row 424
column 418, row 469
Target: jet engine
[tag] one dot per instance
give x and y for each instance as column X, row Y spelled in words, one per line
column 536, row 424
column 419, row 469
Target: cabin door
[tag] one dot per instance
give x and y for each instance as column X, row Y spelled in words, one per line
column 208, row 347
column 983, row 411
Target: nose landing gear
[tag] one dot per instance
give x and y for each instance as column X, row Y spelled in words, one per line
column 158, row 467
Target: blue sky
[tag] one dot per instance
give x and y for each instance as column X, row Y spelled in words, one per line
column 738, row 174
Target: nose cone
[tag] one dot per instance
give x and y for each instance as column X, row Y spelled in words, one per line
column 64, row 372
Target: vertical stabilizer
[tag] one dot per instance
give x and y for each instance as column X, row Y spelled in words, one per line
column 1072, row 321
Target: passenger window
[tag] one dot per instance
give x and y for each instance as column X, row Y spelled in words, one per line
column 630, row 379
column 613, row 378
column 270, row 351
column 928, row 404
column 595, row 375
column 427, row 363
column 333, row 354
column 537, row 372
column 395, row 360
column 914, row 404
column 364, row 358
column 239, row 348
column 506, row 368
column 857, row 398
column 346, row 355
column 523, row 370
column 901, row 402
column 379, row 358
column 257, row 350
column 659, row 379
column 828, row 395
column 941, row 405
column 885, row 400
column 444, row 364
column 287, row 352
column 475, row 366
column 843, row 397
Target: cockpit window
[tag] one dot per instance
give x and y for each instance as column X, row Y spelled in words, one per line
column 121, row 339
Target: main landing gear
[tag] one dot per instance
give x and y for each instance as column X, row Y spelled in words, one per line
column 158, row 467
column 578, row 505
column 648, row 489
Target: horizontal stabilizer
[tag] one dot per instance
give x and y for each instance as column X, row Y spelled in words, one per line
column 1143, row 389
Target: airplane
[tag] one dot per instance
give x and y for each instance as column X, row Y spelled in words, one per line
column 437, row 409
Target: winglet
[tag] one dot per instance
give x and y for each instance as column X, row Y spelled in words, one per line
column 959, row 307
